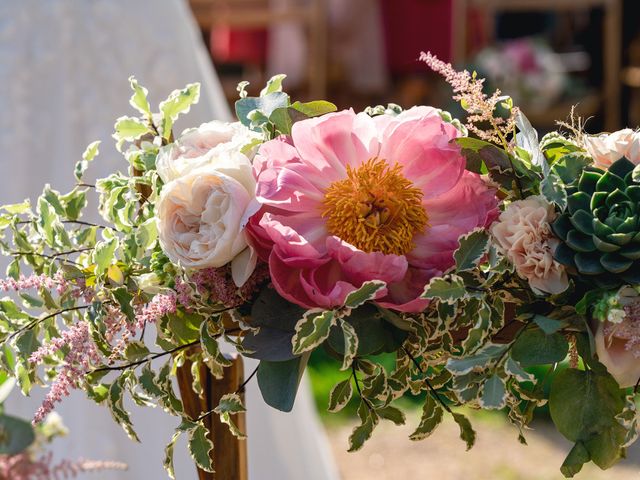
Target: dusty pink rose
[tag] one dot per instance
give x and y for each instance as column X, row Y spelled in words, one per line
column 524, row 235
column 348, row 198
column 607, row 148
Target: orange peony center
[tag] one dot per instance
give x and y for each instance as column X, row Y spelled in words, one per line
column 375, row 208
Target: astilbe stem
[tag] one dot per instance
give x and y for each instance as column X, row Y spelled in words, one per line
column 24, row 466
column 481, row 107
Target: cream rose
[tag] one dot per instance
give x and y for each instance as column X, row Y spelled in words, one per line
column 607, row 148
column 201, row 146
column 523, row 233
column 201, row 216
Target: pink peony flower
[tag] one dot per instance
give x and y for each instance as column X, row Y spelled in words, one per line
column 349, row 198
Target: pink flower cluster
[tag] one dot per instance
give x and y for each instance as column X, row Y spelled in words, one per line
column 218, row 285
column 82, row 355
column 121, row 330
column 24, row 467
column 58, row 282
column 481, row 107
column 628, row 330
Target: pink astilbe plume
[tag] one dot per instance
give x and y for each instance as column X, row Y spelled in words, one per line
column 83, row 355
column 480, row 106
column 80, row 359
column 24, row 467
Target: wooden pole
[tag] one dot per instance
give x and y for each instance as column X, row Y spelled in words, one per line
column 229, row 453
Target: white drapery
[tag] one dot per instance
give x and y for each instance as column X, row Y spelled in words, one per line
column 64, row 66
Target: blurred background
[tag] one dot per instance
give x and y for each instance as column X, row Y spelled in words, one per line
column 549, row 55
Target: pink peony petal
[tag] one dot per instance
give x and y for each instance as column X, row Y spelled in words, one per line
column 329, row 143
column 359, row 266
column 423, row 147
column 468, row 205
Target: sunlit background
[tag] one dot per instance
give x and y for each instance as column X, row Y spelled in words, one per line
column 549, row 55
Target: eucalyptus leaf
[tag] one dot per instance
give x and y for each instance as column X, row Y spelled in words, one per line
column 278, row 381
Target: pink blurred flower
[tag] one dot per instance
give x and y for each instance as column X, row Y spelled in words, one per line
column 349, row 198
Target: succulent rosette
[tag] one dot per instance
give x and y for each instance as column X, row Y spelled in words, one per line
column 600, row 231
column 349, row 198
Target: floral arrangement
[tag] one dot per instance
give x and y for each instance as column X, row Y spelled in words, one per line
column 472, row 251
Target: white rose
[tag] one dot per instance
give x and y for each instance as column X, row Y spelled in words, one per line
column 202, row 214
column 200, row 146
column 607, row 148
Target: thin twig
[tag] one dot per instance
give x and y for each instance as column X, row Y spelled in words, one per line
column 433, row 391
column 40, row 320
column 355, row 379
column 145, row 360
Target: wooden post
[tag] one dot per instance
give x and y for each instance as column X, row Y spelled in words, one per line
column 229, row 453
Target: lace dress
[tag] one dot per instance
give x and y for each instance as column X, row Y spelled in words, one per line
column 64, row 66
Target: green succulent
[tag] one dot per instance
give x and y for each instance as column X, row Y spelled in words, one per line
column 600, row 230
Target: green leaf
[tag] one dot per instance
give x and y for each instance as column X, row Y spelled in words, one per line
column 274, row 84
column 315, row 108
column 340, row 395
column 115, row 403
column 214, row 358
column 584, row 406
column 135, row 351
column 177, row 103
column 448, row 289
column 577, row 457
column 467, row 433
column 493, row 394
column 393, row 414
column 168, row 451
column 276, row 319
column 431, row 418
column 534, row 347
column 124, row 299
column 103, row 254
column 477, row 362
column 89, row 154
column 129, row 129
column 527, row 138
column 350, row 344
column 266, row 105
column 554, row 191
column 230, row 403
column 200, row 447
column 278, row 381
column 312, row 330
column 363, row 432
column 139, row 98
column 18, row 208
column 549, row 325
column 16, row 435
column 473, row 246
column 513, row 368
column 368, row 291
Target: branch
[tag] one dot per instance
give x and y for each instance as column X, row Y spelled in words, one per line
column 433, row 391
column 145, row 360
column 40, row 320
